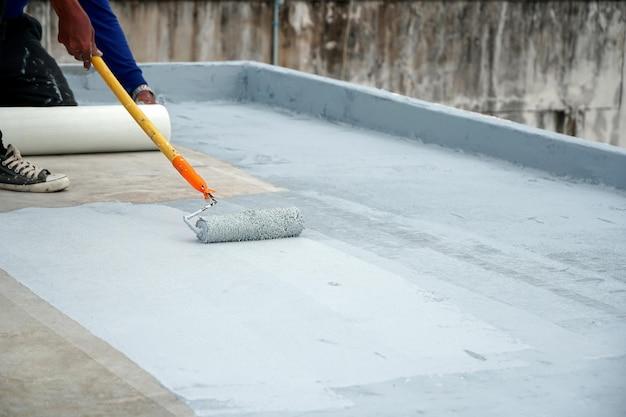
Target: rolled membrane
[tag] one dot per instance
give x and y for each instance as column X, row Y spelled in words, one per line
column 79, row 129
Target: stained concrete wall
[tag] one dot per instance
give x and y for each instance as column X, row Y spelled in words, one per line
column 557, row 65
column 172, row 30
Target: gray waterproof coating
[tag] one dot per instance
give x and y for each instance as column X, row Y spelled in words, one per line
column 263, row 224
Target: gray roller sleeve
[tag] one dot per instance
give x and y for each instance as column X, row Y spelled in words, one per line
column 274, row 223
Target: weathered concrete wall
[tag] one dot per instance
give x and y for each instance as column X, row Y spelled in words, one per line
column 557, row 65
column 183, row 30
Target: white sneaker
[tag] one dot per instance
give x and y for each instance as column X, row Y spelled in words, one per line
column 18, row 174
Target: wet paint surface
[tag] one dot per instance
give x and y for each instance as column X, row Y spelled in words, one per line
column 427, row 281
column 253, row 326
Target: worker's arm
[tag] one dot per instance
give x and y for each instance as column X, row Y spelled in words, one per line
column 75, row 30
column 115, row 50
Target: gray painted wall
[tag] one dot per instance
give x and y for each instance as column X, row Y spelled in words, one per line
column 379, row 110
column 558, row 65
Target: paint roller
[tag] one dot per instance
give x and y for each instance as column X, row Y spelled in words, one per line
column 272, row 223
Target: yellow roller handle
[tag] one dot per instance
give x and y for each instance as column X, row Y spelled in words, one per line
column 180, row 163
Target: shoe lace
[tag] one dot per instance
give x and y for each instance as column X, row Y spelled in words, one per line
column 20, row 166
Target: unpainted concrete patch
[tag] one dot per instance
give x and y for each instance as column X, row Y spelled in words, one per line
column 51, row 366
column 136, row 177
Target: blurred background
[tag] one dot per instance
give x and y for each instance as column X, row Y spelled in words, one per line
column 557, row 65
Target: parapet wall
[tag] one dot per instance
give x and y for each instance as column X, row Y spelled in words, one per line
column 375, row 109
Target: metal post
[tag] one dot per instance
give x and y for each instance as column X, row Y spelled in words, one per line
column 276, row 32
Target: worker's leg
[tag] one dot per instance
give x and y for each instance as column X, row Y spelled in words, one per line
column 3, row 150
column 29, row 76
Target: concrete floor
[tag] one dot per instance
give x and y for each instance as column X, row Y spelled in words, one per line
column 146, row 179
column 52, row 366
column 427, row 282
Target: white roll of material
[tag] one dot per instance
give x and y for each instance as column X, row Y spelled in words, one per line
column 79, row 129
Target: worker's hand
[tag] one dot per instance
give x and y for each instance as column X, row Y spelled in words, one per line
column 75, row 31
column 145, row 97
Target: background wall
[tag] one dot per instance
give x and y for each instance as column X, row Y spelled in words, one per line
column 558, row 65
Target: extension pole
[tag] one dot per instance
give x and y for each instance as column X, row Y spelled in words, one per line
column 180, row 163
